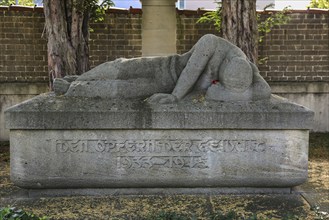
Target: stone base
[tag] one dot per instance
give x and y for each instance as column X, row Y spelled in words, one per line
column 37, row 193
column 61, row 142
column 158, row 158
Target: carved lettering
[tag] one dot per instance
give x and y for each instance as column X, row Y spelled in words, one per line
column 130, row 162
column 158, row 146
column 157, row 153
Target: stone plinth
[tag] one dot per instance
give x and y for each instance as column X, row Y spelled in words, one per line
column 158, row 27
column 67, row 142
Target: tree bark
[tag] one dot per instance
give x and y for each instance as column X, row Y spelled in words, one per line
column 239, row 25
column 67, row 33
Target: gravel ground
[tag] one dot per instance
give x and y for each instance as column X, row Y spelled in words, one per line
column 291, row 206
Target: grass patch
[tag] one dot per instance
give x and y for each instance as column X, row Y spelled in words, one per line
column 218, row 215
column 163, row 215
column 319, row 146
column 4, row 144
column 4, row 151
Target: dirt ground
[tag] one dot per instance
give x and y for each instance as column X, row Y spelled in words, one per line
column 292, row 206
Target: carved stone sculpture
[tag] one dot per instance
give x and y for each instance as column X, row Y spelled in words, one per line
column 213, row 66
column 79, row 144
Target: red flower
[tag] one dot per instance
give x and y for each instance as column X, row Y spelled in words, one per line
column 215, row 81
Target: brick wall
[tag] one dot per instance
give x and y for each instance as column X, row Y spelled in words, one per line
column 120, row 35
column 189, row 31
column 23, row 52
column 297, row 51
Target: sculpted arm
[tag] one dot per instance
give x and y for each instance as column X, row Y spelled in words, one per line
column 198, row 61
column 260, row 88
column 202, row 52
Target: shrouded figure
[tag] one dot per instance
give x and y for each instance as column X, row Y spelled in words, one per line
column 169, row 79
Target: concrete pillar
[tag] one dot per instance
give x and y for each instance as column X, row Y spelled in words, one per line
column 158, row 27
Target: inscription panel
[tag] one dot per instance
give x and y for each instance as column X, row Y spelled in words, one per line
column 157, row 145
column 150, row 153
column 158, row 158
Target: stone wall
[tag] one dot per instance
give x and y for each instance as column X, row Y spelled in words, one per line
column 297, row 52
column 13, row 93
column 314, row 95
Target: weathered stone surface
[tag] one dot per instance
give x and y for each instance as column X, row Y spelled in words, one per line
column 171, row 78
column 202, row 119
column 61, row 86
column 48, row 111
column 158, row 158
column 74, row 142
column 41, row 193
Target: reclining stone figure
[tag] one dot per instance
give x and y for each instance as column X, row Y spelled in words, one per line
column 213, row 66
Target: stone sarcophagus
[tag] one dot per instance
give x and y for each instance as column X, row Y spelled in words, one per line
column 95, row 143
column 211, row 122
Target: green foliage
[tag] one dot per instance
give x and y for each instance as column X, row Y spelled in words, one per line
column 274, row 19
column 231, row 215
column 26, row 2
column 20, row 2
column 167, row 216
column 97, row 11
column 7, row 2
column 214, row 17
column 320, row 4
column 11, row 213
column 264, row 27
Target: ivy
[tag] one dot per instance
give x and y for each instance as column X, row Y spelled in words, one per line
column 11, row 213
column 214, row 17
column 96, row 10
column 274, row 19
column 264, row 27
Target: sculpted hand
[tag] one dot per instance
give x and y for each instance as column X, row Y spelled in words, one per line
column 162, row 98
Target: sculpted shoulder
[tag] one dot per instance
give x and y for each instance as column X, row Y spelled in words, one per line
column 171, row 78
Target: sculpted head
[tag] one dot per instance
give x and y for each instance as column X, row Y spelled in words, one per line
column 236, row 74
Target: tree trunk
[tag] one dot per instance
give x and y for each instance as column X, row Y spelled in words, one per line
column 67, row 34
column 239, row 25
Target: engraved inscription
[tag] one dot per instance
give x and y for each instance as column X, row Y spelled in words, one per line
column 162, row 161
column 158, row 146
column 158, row 153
